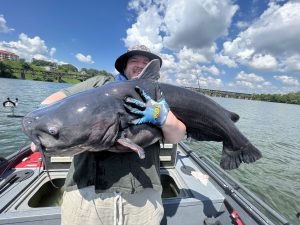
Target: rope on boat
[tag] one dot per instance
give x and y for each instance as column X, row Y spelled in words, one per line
column 46, row 169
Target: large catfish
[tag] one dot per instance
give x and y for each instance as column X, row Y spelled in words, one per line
column 97, row 120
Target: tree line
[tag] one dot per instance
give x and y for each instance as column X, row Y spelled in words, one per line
column 47, row 71
column 290, row 98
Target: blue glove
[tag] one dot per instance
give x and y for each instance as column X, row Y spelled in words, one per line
column 150, row 110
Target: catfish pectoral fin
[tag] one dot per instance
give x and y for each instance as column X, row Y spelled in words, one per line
column 134, row 147
column 232, row 159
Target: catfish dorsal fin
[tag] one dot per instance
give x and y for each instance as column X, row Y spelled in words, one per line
column 151, row 71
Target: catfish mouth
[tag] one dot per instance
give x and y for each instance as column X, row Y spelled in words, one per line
column 68, row 151
column 57, row 151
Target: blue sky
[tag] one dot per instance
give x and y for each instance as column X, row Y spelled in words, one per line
column 247, row 46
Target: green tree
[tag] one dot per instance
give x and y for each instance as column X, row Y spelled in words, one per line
column 24, row 68
column 39, row 62
column 291, row 98
column 6, row 71
column 68, row 68
column 84, row 70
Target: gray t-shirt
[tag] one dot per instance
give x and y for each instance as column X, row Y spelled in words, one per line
column 88, row 84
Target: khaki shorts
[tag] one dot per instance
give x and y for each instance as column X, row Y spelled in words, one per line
column 85, row 207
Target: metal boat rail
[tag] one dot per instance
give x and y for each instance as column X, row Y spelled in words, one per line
column 233, row 189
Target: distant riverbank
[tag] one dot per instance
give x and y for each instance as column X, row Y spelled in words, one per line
column 290, row 98
column 40, row 70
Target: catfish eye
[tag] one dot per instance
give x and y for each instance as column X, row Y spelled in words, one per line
column 53, row 130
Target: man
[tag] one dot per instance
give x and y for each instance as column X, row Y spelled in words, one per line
column 113, row 188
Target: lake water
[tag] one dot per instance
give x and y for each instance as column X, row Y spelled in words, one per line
column 273, row 128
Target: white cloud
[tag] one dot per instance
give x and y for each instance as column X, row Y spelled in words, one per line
column 29, row 48
column 196, row 24
column 209, row 82
column 139, row 5
column 250, row 83
column 193, row 56
column 292, row 63
column 288, row 80
column 52, row 52
column 251, row 77
column 270, row 40
column 196, row 81
column 168, row 62
column 244, row 83
column 242, row 24
column 183, row 33
column 225, row 60
column 212, row 69
column 85, row 59
column 3, row 27
column 260, row 61
column 146, row 30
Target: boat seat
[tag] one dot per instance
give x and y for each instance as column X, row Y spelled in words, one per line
column 167, row 156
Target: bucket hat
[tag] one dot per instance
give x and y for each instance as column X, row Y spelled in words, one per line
column 121, row 62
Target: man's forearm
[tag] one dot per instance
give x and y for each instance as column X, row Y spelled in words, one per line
column 53, row 98
column 173, row 130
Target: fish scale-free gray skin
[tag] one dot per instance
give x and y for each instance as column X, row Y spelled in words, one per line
column 96, row 119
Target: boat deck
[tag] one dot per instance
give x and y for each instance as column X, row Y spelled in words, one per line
column 193, row 192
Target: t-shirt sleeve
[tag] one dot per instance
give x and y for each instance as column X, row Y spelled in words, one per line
column 86, row 85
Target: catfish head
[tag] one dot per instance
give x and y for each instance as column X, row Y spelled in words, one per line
column 76, row 124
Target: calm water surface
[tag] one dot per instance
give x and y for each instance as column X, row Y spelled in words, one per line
column 30, row 95
column 272, row 127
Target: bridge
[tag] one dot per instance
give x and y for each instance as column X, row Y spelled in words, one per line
column 219, row 93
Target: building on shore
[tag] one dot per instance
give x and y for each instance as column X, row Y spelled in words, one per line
column 4, row 55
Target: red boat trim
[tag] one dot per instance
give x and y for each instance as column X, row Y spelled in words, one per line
column 235, row 216
column 32, row 161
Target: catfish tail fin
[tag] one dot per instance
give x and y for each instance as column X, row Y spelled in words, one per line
column 232, row 159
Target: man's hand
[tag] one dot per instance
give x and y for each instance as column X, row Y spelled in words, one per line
column 149, row 110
